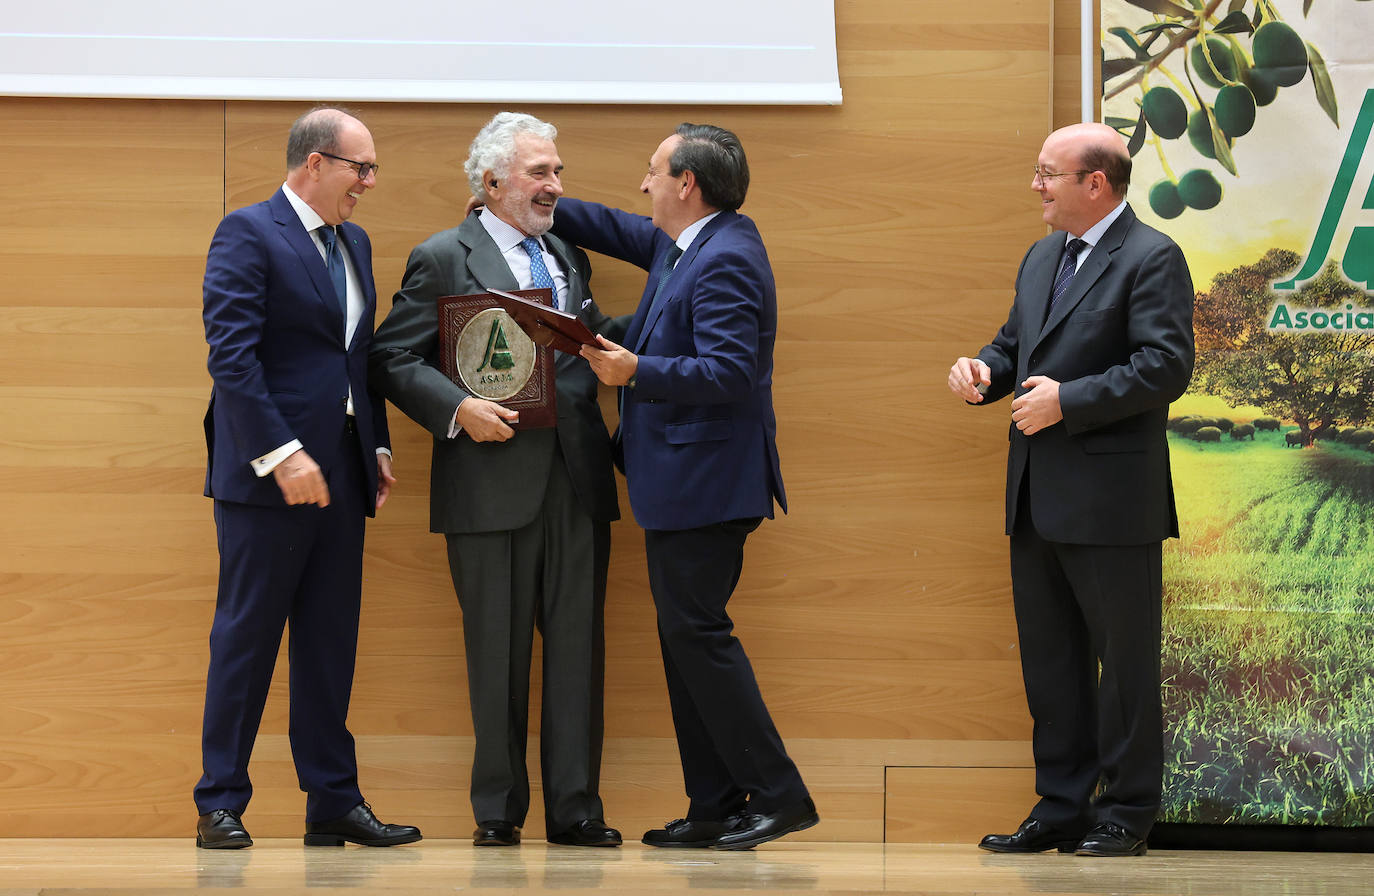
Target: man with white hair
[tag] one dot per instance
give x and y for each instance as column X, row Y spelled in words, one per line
column 526, row 512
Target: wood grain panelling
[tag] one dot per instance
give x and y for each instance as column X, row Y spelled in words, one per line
column 955, row 805
column 877, row 611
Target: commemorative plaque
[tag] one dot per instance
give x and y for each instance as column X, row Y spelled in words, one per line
column 483, row 350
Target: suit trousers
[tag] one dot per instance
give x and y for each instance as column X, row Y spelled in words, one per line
column 730, row 749
column 1088, row 618
column 550, row 575
column 300, row 564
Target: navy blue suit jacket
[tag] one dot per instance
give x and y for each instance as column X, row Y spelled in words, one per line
column 277, row 356
column 697, row 431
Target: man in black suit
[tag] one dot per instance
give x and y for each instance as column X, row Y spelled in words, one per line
column 526, row 512
column 299, row 455
column 1098, row 343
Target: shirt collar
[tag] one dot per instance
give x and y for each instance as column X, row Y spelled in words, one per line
column 310, row 219
column 1094, row 233
column 690, row 232
column 505, row 236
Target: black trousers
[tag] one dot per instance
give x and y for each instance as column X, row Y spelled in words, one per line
column 731, row 752
column 1088, row 617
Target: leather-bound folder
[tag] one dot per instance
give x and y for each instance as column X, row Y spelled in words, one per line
column 482, row 352
column 545, row 325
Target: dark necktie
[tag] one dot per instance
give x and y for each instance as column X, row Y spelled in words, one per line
column 669, row 261
column 1066, row 270
column 539, row 274
column 333, row 260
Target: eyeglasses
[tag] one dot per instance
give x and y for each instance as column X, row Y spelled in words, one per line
column 1048, row 175
column 363, row 168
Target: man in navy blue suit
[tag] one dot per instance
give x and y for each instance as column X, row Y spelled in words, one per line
column 298, row 456
column 697, row 445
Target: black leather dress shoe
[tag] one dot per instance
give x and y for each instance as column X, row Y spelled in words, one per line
column 221, row 829
column 1111, row 839
column 359, row 826
column 684, row 834
column 752, row 829
column 1032, row 836
column 495, row 833
column 587, row 832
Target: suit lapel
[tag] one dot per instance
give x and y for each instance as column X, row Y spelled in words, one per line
column 573, row 300
column 485, row 263
column 1088, row 273
column 304, row 246
column 678, row 276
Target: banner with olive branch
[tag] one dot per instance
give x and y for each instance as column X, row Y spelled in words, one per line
column 1249, row 123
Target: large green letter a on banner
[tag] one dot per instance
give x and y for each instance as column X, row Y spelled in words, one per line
column 1358, row 263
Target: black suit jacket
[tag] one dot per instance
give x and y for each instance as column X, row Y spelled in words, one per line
column 491, row 486
column 1120, row 343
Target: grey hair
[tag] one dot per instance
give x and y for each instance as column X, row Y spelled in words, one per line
column 494, row 146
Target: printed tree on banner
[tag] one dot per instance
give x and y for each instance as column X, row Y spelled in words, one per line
column 1316, row 379
column 1230, row 63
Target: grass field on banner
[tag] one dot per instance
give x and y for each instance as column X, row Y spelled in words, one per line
column 1269, row 631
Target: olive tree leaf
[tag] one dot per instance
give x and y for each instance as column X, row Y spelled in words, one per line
column 1220, row 143
column 1236, row 6
column 1128, row 39
column 1115, row 68
column 1163, row 8
column 1306, row 5
column 1113, row 121
column 1138, row 135
column 1234, row 23
column 1321, row 81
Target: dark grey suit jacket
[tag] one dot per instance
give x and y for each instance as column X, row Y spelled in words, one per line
column 491, row 486
column 1120, row 343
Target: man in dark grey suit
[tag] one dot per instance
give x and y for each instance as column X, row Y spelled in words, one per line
column 1098, row 343
column 526, row 513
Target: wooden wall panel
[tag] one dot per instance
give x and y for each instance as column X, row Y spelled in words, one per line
column 877, row 611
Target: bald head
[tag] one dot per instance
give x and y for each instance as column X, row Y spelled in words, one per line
column 1095, row 147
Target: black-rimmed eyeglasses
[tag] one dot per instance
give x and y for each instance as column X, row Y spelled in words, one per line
column 363, row 168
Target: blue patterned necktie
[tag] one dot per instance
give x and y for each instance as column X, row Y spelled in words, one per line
column 669, row 261
column 1066, row 270
column 539, row 274
column 333, row 260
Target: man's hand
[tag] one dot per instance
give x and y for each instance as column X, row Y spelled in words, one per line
column 965, row 377
column 614, row 365
column 385, row 479
column 485, row 421
column 1039, row 408
column 473, row 204
column 300, row 480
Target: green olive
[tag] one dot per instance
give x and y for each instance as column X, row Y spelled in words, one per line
column 1220, row 51
column 1165, row 201
column 1235, row 110
column 1281, row 53
column 1165, row 111
column 1199, row 189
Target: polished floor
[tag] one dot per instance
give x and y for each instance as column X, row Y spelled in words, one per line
column 164, row 867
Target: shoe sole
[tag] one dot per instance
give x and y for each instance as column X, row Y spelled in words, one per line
column 1097, row 854
column 750, row 844
column 337, row 840
column 239, row 843
column 1066, row 848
